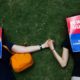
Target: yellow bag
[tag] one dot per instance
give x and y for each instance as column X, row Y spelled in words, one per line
column 20, row 61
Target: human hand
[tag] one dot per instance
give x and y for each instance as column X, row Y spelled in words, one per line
column 51, row 44
column 45, row 44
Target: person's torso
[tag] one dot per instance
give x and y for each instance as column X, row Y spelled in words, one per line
column 5, row 67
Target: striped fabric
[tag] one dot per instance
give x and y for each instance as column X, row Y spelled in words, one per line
column 73, row 24
column 0, row 42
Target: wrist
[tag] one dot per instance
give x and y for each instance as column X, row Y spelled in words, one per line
column 43, row 46
column 53, row 50
column 40, row 47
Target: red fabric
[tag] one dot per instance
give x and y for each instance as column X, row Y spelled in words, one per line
column 0, row 32
column 73, row 24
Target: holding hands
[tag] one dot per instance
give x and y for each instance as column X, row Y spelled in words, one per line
column 51, row 44
column 48, row 44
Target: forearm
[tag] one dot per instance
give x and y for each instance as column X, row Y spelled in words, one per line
column 59, row 58
column 23, row 49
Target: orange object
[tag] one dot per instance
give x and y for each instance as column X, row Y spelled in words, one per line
column 21, row 61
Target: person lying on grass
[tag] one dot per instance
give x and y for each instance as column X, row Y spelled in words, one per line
column 5, row 67
column 66, row 49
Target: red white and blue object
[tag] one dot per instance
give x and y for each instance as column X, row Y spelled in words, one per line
column 0, row 42
column 73, row 24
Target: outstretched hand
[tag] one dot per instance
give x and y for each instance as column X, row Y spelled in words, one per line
column 48, row 43
column 51, row 44
column 45, row 44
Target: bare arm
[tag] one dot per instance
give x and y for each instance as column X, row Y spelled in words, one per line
column 23, row 49
column 61, row 59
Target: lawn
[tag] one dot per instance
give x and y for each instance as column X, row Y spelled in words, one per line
column 34, row 21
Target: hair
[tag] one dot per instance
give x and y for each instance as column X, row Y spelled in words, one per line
column 3, row 36
column 74, row 14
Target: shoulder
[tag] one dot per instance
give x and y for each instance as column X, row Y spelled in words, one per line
column 66, row 43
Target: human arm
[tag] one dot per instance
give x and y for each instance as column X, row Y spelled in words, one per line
column 62, row 60
column 23, row 49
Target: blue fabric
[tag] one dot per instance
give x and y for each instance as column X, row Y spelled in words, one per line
column 75, row 42
column 0, row 49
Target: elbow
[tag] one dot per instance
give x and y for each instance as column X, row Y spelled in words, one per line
column 63, row 65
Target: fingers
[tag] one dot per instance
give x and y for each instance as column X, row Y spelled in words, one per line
column 48, row 43
column 51, row 44
column 45, row 44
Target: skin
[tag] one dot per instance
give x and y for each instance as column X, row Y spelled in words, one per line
column 23, row 49
column 62, row 60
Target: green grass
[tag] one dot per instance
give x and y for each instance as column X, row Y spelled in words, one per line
column 34, row 21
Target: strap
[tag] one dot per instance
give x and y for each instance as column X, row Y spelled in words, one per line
column 6, row 48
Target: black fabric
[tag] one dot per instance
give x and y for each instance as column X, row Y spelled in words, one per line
column 75, row 56
column 5, row 67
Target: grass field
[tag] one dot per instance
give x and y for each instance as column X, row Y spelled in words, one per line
column 34, row 21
